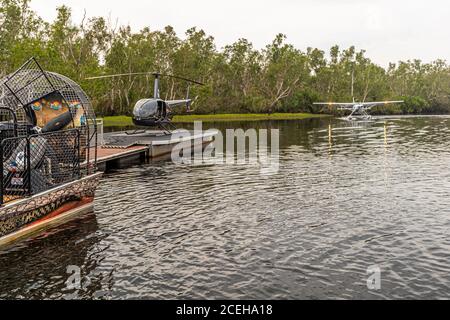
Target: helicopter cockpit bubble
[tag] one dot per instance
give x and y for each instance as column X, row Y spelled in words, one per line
column 146, row 108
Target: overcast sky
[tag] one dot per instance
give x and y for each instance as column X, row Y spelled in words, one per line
column 390, row 30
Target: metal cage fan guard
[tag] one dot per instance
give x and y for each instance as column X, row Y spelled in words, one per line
column 48, row 131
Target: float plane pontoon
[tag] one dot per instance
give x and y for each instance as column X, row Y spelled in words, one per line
column 359, row 110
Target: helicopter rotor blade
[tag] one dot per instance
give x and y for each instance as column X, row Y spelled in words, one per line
column 155, row 74
column 181, row 78
column 121, row 75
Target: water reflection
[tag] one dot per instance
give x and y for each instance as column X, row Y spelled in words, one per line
column 37, row 268
column 348, row 196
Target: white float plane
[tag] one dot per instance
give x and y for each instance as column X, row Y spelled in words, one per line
column 358, row 109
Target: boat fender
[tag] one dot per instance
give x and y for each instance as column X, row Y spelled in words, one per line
column 58, row 123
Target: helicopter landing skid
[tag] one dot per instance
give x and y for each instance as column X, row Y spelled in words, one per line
column 161, row 133
column 165, row 130
column 135, row 132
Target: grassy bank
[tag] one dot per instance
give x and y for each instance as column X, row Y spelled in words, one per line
column 123, row 121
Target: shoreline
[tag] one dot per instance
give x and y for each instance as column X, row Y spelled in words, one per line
column 125, row 121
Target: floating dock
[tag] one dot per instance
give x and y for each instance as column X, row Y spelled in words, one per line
column 122, row 149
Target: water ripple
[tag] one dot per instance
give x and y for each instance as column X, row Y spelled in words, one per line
column 347, row 197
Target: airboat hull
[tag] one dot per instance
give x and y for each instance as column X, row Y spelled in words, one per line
column 27, row 217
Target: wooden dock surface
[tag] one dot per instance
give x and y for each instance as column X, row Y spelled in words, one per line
column 105, row 154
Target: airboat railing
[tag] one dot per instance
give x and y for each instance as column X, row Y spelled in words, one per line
column 38, row 163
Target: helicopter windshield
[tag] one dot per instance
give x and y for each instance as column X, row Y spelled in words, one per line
column 146, row 108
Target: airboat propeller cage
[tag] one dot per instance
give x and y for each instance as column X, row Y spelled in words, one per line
column 24, row 93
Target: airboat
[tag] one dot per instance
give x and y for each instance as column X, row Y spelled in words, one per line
column 48, row 151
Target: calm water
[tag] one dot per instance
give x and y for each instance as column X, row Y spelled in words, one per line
column 347, row 197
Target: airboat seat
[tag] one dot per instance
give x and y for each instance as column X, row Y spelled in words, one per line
column 16, row 165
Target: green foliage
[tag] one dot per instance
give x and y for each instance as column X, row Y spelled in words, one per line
column 239, row 78
column 301, row 101
column 415, row 105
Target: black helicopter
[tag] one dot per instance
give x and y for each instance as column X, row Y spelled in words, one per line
column 156, row 112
